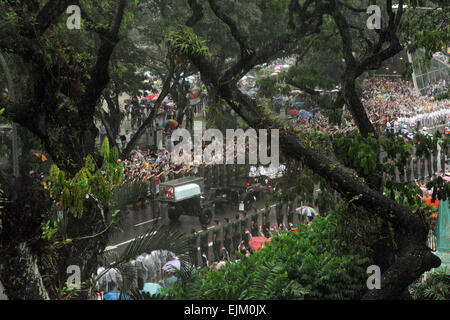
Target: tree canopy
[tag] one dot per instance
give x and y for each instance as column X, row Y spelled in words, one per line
column 61, row 75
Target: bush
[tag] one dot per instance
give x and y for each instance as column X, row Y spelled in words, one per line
column 436, row 287
column 300, row 265
column 129, row 193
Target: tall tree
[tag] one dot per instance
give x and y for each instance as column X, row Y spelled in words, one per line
column 306, row 19
column 66, row 72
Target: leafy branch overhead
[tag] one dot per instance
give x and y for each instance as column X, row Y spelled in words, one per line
column 183, row 41
column 89, row 181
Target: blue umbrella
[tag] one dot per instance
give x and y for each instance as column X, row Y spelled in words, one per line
column 152, row 288
column 112, row 295
column 306, row 114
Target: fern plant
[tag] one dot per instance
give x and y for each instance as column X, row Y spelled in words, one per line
column 435, row 287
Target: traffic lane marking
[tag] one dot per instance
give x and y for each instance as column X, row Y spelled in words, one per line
column 128, row 241
column 145, row 222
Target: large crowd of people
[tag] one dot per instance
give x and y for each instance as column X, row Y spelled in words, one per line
column 390, row 103
column 145, row 165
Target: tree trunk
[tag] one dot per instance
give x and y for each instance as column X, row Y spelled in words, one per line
column 114, row 115
column 414, row 256
column 26, row 206
column 20, row 275
column 85, row 253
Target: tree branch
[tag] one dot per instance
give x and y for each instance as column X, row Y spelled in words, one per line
column 237, row 35
column 197, row 13
column 415, row 257
column 49, row 14
column 164, row 92
column 309, row 25
column 99, row 75
column 358, row 10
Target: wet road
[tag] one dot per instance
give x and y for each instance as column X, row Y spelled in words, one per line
column 137, row 222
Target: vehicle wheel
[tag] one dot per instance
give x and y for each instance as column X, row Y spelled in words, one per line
column 174, row 215
column 205, row 217
column 248, row 201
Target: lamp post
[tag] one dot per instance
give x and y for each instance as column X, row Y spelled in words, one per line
column 14, row 127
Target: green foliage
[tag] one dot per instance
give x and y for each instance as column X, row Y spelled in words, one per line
column 441, row 188
column 129, row 193
column 442, row 96
column 158, row 237
column 49, row 229
column 300, row 265
column 183, row 41
column 425, row 29
column 445, row 144
column 435, row 287
column 426, row 146
column 88, row 181
column 267, row 87
column 334, row 115
column 307, row 77
column 357, row 152
column 405, row 193
column 276, row 6
column 398, row 153
column 353, row 229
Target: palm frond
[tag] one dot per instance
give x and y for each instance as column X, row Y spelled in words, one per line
column 159, row 237
column 136, row 294
column 186, row 280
